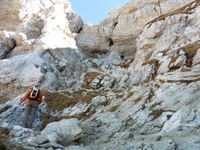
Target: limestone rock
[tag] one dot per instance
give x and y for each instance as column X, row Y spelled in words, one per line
column 196, row 58
column 38, row 140
column 119, row 31
column 77, row 109
column 64, row 130
column 75, row 22
column 181, row 76
column 9, row 19
column 94, row 39
column 144, row 66
column 20, row 38
column 34, row 48
column 7, row 43
column 99, row 100
column 75, row 148
column 20, row 134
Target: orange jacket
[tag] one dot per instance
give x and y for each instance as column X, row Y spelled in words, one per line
column 27, row 93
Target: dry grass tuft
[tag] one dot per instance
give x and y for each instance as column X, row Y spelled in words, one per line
column 60, row 100
column 89, row 77
column 156, row 113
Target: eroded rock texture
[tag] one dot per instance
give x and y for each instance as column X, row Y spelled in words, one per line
column 132, row 82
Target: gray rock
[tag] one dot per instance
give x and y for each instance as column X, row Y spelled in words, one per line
column 64, row 130
column 77, row 109
column 29, row 147
column 75, row 22
column 94, row 39
column 149, row 73
column 6, row 44
column 38, row 140
column 56, row 145
column 50, row 145
column 75, row 148
column 98, row 100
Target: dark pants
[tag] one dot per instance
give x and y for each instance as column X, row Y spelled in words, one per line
column 29, row 116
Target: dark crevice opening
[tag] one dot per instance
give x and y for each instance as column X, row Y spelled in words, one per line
column 110, row 42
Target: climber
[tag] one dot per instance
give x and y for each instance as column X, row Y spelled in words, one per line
column 33, row 97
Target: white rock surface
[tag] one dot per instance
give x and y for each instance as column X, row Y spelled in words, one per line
column 94, row 39
column 65, row 130
column 145, row 56
column 42, row 46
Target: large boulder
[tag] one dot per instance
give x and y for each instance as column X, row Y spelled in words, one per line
column 7, row 43
column 63, row 131
column 94, row 39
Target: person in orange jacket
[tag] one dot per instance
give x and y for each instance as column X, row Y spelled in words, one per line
column 34, row 97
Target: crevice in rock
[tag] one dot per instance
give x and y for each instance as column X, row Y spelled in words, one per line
column 110, row 42
column 180, row 81
column 115, row 23
column 79, row 31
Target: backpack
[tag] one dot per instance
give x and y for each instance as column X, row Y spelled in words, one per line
column 34, row 93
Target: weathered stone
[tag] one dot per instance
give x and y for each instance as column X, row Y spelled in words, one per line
column 6, row 43
column 76, row 148
column 39, row 140
column 20, row 38
column 64, row 130
column 56, row 145
column 51, row 145
column 99, row 100
column 75, row 22
column 148, row 78
column 94, row 39
column 196, row 58
column 77, row 109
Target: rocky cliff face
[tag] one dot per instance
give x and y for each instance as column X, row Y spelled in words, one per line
column 131, row 82
column 41, row 48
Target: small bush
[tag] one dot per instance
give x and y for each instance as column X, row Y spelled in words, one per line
column 156, row 113
column 89, row 77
